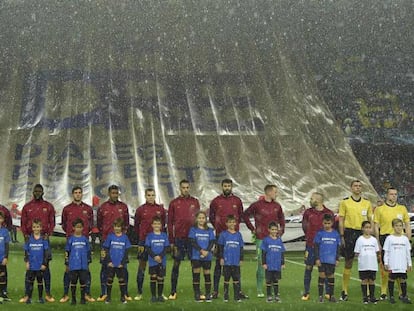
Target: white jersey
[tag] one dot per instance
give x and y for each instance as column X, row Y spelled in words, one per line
column 397, row 255
column 367, row 248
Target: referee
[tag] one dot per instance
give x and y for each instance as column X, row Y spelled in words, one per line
column 353, row 211
column 383, row 217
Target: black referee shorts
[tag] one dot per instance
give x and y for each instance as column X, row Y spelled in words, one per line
column 350, row 237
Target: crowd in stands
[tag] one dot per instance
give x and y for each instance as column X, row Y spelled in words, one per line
column 388, row 166
column 376, row 113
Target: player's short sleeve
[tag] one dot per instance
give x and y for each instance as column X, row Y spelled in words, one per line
column 317, row 239
column 377, row 215
column 45, row 244
column 127, row 243
column 406, row 217
column 211, row 234
column 386, row 246
column 357, row 248
column 191, row 233
column 370, row 214
column 263, row 247
column 342, row 208
column 88, row 245
column 68, row 242
column 407, row 241
column 148, row 241
column 7, row 238
column 338, row 238
column 221, row 239
column 377, row 249
column 107, row 242
column 283, row 246
column 241, row 240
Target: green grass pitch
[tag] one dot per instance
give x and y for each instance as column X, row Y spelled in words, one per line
column 291, row 287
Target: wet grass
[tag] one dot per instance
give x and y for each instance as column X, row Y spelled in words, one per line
column 290, row 287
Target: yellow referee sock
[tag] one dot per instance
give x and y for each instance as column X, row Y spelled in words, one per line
column 346, row 276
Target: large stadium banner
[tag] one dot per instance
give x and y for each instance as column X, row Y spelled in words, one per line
column 146, row 93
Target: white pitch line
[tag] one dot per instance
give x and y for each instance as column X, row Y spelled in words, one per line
column 336, row 273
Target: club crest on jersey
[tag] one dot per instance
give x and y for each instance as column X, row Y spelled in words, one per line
column 234, row 206
column 84, row 212
column 44, row 209
column 120, row 210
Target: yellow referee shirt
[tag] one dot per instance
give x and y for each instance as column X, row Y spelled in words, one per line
column 355, row 212
column 384, row 215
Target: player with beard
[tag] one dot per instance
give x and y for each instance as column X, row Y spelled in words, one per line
column 181, row 217
column 222, row 206
column 40, row 209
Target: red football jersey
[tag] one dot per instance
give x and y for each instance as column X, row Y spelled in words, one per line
column 221, row 207
column 73, row 211
column 38, row 209
column 108, row 213
column 312, row 222
column 181, row 216
column 143, row 219
column 264, row 212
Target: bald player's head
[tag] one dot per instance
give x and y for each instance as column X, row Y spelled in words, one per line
column 316, row 199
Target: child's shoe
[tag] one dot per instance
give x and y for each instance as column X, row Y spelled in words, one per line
column 49, row 298
column 102, row 298
column 5, row 297
column 305, row 297
column 89, row 298
column 24, row 299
